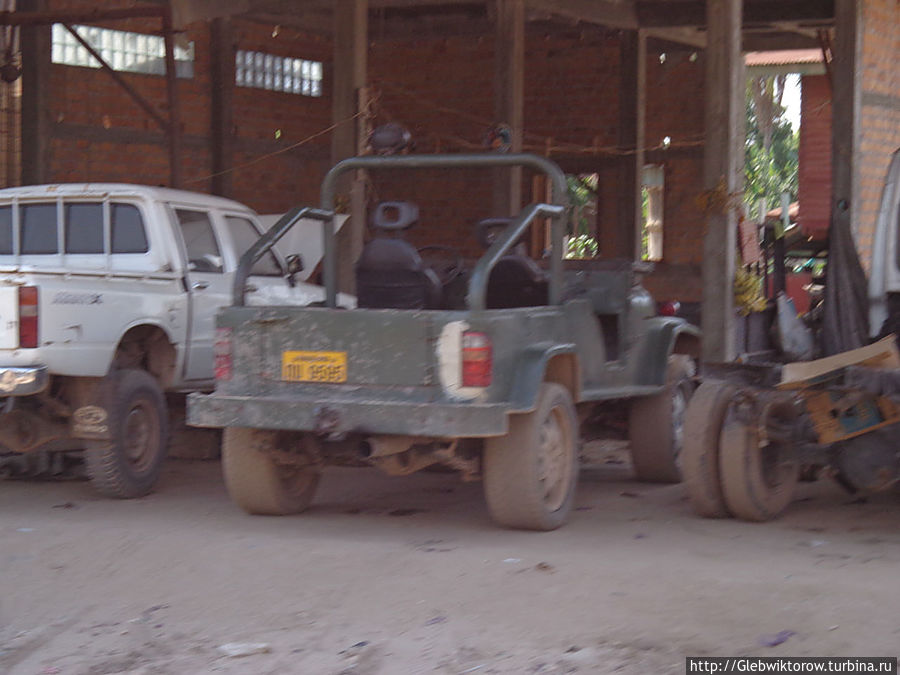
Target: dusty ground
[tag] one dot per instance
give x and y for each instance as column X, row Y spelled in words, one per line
column 407, row 575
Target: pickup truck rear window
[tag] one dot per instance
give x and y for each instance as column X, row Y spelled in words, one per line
column 84, row 228
column 6, row 243
column 38, row 234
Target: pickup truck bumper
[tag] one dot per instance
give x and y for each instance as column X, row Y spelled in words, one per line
column 23, row 381
column 338, row 416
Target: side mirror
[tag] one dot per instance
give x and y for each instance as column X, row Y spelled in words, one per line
column 294, row 267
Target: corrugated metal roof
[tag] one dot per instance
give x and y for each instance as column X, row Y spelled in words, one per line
column 783, row 58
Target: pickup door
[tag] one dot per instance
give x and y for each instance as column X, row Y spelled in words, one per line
column 214, row 241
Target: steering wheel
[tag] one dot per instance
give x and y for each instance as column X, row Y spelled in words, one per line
column 445, row 261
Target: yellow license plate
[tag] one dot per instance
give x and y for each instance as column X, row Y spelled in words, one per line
column 314, row 366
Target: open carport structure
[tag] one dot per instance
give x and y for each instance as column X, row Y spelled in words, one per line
column 269, row 92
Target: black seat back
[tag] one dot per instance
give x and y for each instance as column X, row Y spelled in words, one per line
column 390, row 273
column 516, row 280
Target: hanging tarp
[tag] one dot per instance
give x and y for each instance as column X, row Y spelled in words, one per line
column 846, row 308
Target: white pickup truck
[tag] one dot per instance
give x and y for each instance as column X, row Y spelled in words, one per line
column 108, row 297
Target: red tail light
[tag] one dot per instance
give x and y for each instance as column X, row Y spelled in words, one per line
column 477, row 359
column 28, row 317
column 222, row 352
column 670, row 308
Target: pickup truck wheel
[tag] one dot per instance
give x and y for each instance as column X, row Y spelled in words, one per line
column 257, row 481
column 531, row 473
column 758, row 477
column 700, row 455
column 656, row 425
column 129, row 466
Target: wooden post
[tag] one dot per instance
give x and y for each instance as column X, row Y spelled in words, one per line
column 509, row 88
column 36, row 130
column 845, row 109
column 722, row 174
column 221, row 39
column 174, row 130
column 350, row 50
column 632, row 110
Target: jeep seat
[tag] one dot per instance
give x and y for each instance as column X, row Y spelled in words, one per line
column 390, row 273
column 516, row 280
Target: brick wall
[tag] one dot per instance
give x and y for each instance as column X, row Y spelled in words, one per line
column 442, row 89
column 100, row 134
column 814, row 190
column 879, row 122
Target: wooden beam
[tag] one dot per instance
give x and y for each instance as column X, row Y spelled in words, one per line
column 174, row 130
column 632, row 102
column 36, row 128
column 221, row 39
column 664, row 13
column 25, row 17
column 350, row 50
column 611, row 13
column 722, row 174
column 509, row 96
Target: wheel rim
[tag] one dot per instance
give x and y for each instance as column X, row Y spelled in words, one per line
column 295, row 481
column 679, row 409
column 141, row 435
column 775, row 467
column 554, row 458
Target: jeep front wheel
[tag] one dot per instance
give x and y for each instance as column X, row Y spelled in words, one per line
column 530, row 474
column 264, row 478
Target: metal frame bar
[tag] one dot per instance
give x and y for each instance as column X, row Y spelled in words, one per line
column 559, row 199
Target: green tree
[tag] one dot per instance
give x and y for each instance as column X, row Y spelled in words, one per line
column 771, row 149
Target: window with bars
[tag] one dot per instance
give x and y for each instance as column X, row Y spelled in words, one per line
column 122, row 50
column 278, row 73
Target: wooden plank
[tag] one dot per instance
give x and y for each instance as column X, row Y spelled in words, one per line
column 509, row 96
column 221, row 39
column 35, row 41
column 632, row 100
column 722, row 174
column 601, row 12
column 350, row 51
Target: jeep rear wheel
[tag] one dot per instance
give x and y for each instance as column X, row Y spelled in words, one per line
column 264, row 478
column 130, row 464
column 530, row 474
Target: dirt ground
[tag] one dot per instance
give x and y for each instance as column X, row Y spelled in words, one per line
column 408, row 575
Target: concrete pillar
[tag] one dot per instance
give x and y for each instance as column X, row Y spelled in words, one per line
column 722, row 174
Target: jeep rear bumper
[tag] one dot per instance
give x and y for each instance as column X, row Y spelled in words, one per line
column 340, row 416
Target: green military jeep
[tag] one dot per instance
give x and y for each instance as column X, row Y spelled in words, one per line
column 494, row 382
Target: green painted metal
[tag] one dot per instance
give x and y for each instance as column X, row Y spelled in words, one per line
column 598, row 334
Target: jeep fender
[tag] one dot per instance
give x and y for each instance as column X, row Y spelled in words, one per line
column 665, row 336
column 544, row 362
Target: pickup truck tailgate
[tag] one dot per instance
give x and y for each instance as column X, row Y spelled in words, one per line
column 9, row 317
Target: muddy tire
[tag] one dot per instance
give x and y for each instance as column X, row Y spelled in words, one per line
column 656, row 425
column 257, row 482
column 129, row 466
column 530, row 474
column 700, row 456
column 758, row 478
